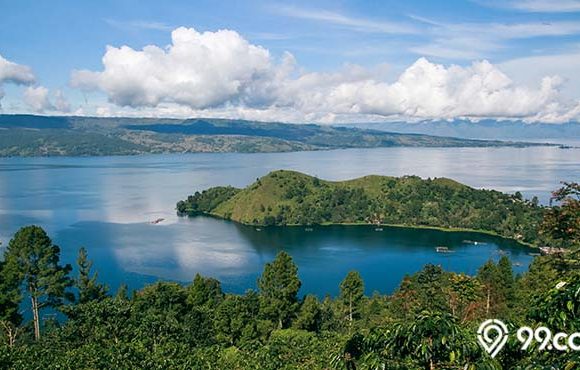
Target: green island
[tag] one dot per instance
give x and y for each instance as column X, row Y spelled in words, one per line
column 429, row 322
column 292, row 198
column 31, row 135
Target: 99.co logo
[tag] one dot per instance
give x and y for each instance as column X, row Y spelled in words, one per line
column 493, row 335
column 559, row 341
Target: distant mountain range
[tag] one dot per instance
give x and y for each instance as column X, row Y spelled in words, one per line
column 30, row 135
column 485, row 129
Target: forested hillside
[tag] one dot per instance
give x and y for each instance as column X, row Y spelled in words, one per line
column 292, row 198
column 28, row 135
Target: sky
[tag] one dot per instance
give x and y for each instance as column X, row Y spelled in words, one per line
column 293, row 61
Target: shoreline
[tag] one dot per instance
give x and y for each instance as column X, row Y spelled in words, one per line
column 401, row 226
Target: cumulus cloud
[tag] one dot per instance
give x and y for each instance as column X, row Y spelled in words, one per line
column 11, row 72
column 15, row 73
column 222, row 72
column 38, row 99
column 199, row 70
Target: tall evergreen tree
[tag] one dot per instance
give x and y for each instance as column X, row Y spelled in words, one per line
column 205, row 292
column 35, row 262
column 10, row 298
column 351, row 294
column 310, row 316
column 279, row 286
column 89, row 288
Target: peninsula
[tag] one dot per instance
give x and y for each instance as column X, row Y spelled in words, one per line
column 293, row 198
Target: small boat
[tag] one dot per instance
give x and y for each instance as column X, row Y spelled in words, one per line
column 258, row 229
column 378, row 229
column 442, row 250
column 517, row 264
column 159, row 220
column 473, row 242
column 308, row 229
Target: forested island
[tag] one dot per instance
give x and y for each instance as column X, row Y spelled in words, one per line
column 29, row 135
column 293, row 198
column 429, row 322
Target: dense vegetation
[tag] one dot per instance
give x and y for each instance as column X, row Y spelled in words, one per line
column 26, row 135
column 292, row 198
column 429, row 322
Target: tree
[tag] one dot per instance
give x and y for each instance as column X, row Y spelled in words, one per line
column 310, row 315
column 89, row 288
column 279, row 286
column 35, row 261
column 10, row 298
column 487, row 275
column 204, row 292
column 433, row 339
column 351, row 294
column 499, row 286
column 464, row 294
column 561, row 223
column 506, row 280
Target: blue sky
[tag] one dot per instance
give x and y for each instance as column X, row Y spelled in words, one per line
column 523, row 40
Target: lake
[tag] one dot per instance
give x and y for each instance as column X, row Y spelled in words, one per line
column 106, row 204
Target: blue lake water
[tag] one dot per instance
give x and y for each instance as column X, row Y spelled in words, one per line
column 106, row 204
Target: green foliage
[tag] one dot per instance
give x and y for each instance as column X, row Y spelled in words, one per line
column 205, row 292
column 292, row 198
column 279, row 285
column 561, row 225
column 310, row 315
column 351, row 295
column 206, row 201
column 35, row 262
column 28, row 135
column 428, row 323
column 87, row 285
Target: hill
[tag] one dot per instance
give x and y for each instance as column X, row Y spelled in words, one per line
column 484, row 129
column 29, row 135
column 293, row 198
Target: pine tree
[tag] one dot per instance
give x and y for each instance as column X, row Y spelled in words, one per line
column 310, row 316
column 206, row 292
column 351, row 294
column 10, row 298
column 279, row 286
column 35, row 263
column 89, row 288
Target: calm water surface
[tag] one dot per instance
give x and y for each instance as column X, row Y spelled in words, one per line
column 107, row 204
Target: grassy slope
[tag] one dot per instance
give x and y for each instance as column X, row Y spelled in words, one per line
column 270, row 192
column 298, row 199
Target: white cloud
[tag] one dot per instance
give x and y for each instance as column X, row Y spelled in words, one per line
column 538, row 6
column 138, row 25
column 198, row 69
column 61, row 103
column 38, row 99
column 221, row 73
column 470, row 41
column 11, row 72
column 352, row 23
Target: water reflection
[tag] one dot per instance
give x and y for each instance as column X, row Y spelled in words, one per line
column 107, row 204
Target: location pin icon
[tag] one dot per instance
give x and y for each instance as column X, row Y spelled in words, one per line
column 492, row 335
